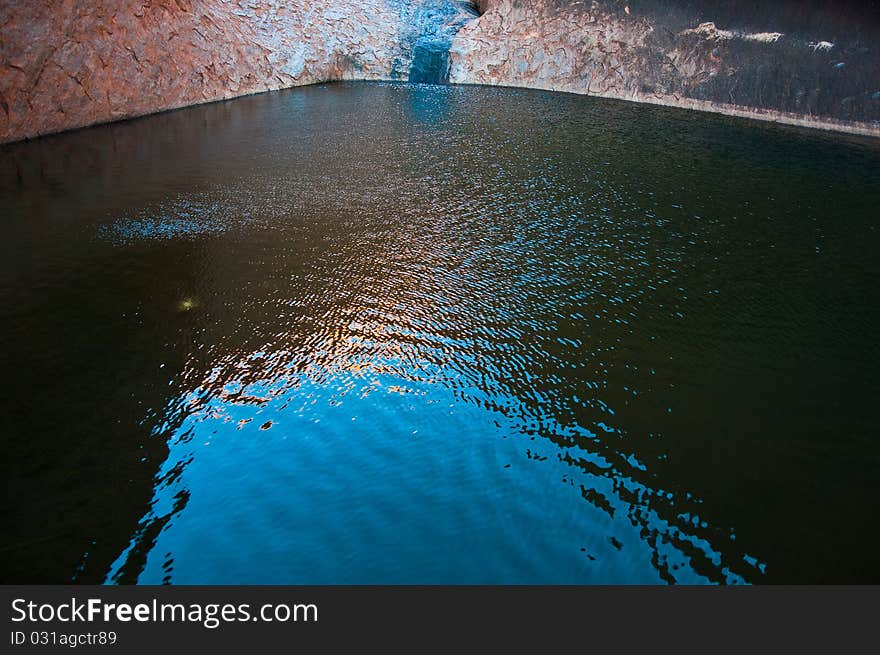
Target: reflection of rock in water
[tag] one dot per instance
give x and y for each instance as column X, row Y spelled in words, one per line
column 436, row 24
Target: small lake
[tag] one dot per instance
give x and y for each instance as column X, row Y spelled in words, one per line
column 391, row 333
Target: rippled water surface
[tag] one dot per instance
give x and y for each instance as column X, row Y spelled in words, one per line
column 370, row 333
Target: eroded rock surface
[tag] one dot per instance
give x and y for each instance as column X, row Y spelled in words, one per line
column 70, row 63
column 770, row 63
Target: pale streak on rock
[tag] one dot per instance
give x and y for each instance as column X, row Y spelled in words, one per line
column 588, row 48
column 71, row 63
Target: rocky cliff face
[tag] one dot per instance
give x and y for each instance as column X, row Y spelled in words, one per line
column 807, row 61
column 69, row 63
column 66, row 64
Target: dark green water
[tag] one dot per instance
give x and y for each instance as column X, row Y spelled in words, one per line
column 368, row 333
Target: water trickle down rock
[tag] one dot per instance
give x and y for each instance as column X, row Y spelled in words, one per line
column 435, row 24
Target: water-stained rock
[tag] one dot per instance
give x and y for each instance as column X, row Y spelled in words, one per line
column 68, row 64
column 764, row 60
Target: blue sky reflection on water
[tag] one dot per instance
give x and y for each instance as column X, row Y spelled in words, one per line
column 361, row 471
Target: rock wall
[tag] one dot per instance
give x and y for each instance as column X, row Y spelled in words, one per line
column 72, row 63
column 68, row 63
column 795, row 61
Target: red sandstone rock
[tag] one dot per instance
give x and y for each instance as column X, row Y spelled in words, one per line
column 67, row 63
column 609, row 49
